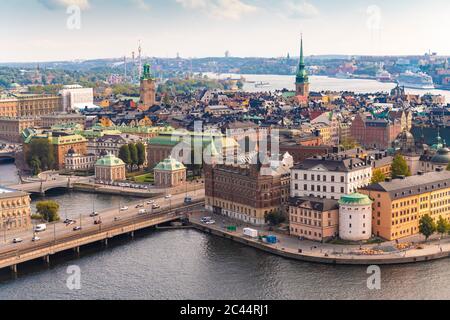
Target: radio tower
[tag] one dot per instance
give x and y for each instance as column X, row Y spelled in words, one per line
column 140, row 59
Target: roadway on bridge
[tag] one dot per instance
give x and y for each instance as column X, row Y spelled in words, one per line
column 108, row 217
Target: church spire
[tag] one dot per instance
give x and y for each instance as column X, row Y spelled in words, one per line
column 302, row 74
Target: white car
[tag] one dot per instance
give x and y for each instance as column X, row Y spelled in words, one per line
column 168, row 196
column 210, row 222
column 18, row 240
column 124, row 209
column 36, row 239
column 150, row 202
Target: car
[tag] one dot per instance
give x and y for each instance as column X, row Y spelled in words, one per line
column 94, row 214
column 156, row 206
column 187, row 200
column 210, row 222
column 205, row 219
column 139, row 206
column 97, row 222
column 168, row 196
column 150, row 202
column 40, row 228
column 67, row 221
column 124, row 208
column 78, row 228
column 17, row 240
column 142, row 211
column 35, row 239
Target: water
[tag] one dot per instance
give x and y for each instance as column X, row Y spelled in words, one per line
column 322, row 83
column 8, row 173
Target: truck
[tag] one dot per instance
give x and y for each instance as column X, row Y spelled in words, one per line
column 40, row 228
column 252, row 233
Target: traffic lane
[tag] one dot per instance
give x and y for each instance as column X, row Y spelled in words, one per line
column 107, row 216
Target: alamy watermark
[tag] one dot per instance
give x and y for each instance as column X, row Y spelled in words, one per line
column 73, row 281
column 74, row 17
column 374, row 280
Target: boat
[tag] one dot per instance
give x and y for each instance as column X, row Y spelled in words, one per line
column 384, row 76
column 417, row 80
column 262, row 84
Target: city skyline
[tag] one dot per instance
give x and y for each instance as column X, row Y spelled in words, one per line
column 212, row 27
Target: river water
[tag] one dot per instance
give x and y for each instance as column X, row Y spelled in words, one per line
column 187, row 264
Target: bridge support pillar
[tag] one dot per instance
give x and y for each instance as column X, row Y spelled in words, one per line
column 14, row 268
column 77, row 250
column 132, row 234
column 105, row 241
column 46, row 259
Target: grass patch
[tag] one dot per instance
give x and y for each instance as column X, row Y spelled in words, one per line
column 145, row 178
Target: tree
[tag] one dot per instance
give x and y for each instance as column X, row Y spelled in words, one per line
column 275, row 218
column 400, row 167
column 48, row 210
column 42, row 150
column 448, row 167
column 442, row 226
column 427, row 226
column 141, row 153
column 124, row 154
column 349, row 143
column 133, row 155
column 35, row 165
column 378, row 176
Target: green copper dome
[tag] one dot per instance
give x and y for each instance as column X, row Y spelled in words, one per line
column 170, row 164
column 109, row 161
column 355, row 199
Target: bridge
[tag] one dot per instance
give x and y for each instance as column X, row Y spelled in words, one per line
column 42, row 186
column 7, row 155
column 54, row 242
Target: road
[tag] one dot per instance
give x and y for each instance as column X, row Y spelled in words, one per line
column 59, row 229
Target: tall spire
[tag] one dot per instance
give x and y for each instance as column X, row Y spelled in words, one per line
column 302, row 74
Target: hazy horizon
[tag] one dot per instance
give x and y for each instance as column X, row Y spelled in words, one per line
column 44, row 31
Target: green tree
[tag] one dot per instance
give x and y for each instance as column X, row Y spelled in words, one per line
column 141, row 153
column 134, row 155
column 42, row 150
column 400, row 167
column 275, row 218
column 378, row 176
column 124, row 154
column 442, row 226
column 48, row 210
column 427, row 226
column 35, row 165
column 349, row 143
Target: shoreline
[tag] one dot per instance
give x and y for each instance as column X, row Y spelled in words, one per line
column 326, row 258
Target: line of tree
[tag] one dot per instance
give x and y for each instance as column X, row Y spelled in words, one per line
column 427, row 226
column 48, row 210
column 40, row 155
column 133, row 155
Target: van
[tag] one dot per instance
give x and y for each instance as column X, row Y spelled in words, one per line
column 40, row 228
column 142, row 211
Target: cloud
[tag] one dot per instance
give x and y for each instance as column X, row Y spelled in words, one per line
column 301, row 9
column 141, row 4
column 220, row 9
column 55, row 4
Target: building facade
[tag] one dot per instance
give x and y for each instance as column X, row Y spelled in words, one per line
column 355, row 217
column 169, row 173
column 11, row 128
column 313, row 218
column 398, row 205
column 29, row 105
column 148, row 88
column 15, row 212
column 109, row 169
column 330, row 176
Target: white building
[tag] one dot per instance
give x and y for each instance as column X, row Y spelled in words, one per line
column 355, row 217
column 329, row 177
column 76, row 97
column 78, row 162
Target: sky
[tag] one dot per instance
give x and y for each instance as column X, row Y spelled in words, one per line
column 52, row 30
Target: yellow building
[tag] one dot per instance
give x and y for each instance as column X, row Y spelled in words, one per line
column 29, row 105
column 401, row 203
column 15, row 212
